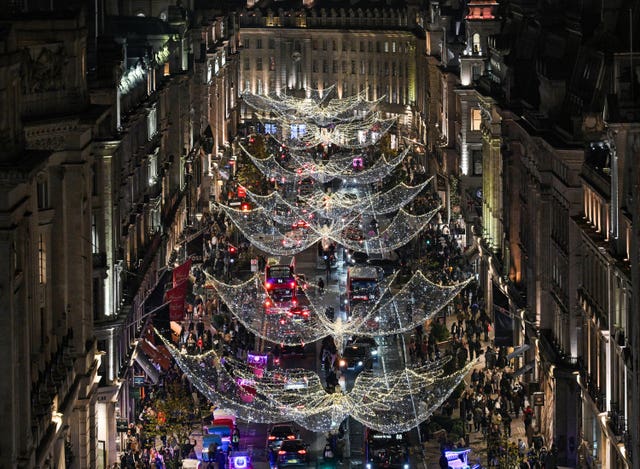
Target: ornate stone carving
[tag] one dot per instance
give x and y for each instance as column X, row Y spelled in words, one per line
column 43, row 70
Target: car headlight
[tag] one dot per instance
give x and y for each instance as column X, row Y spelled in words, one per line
column 342, row 363
column 360, row 363
column 374, row 353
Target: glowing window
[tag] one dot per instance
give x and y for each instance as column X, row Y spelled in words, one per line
column 476, row 119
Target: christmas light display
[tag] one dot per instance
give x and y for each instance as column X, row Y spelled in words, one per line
column 380, row 401
column 259, row 228
column 291, row 220
column 394, row 311
column 307, row 122
column 320, row 107
column 325, row 172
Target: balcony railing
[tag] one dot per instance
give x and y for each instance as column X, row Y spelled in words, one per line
column 551, row 346
column 617, row 421
column 590, row 384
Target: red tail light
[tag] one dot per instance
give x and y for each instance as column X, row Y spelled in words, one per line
column 271, row 437
column 291, row 437
column 302, row 451
column 282, row 453
column 292, row 284
column 268, row 285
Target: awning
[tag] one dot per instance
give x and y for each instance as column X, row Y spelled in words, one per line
column 525, row 369
column 518, row 351
column 141, row 359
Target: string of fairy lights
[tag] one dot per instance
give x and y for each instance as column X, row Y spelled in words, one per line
column 387, row 400
column 257, row 394
column 327, row 171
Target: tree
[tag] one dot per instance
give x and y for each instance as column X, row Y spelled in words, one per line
column 173, row 414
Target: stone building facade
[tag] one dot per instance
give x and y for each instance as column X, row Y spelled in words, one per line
column 556, row 231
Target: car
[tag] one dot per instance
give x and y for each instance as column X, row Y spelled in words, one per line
column 292, row 453
column 299, row 313
column 367, row 342
column 356, row 358
column 359, row 257
column 387, row 266
column 279, row 433
column 283, row 351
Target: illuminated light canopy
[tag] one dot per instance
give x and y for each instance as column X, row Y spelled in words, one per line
column 325, row 172
column 393, row 312
column 381, row 402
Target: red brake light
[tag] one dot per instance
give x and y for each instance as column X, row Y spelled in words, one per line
column 305, row 313
column 271, row 437
column 267, row 285
column 302, row 451
column 291, row 437
column 292, row 284
column 282, row 453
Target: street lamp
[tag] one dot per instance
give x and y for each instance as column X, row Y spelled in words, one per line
column 199, row 217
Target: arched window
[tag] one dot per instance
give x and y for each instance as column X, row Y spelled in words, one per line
column 476, row 43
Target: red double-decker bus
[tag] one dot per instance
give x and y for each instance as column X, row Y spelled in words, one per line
column 280, row 283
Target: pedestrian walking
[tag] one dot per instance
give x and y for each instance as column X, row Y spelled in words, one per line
column 235, row 438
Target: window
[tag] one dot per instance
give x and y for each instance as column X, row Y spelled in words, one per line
column 259, row 86
column 476, row 43
column 393, row 47
column 314, row 66
column 258, row 43
column 247, row 86
column 361, row 46
column 378, row 47
column 151, row 123
column 476, row 119
column 335, row 45
column 272, row 64
column 353, row 67
column 325, row 66
column 335, row 66
column 43, row 192
column 370, row 46
column 393, row 69
column 42, row 260
column 247, row 43
column 386, row 46
column 324, row 44
column 272, row 43
column 476, row 156
column 344, row 46
column 246, row 63
column 314, row 44
column 362, row 67
column 259, row 63
column 96, row 298
column 95, row 237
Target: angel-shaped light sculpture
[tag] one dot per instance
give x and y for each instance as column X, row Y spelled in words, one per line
column 393, row 311
column 392, row 402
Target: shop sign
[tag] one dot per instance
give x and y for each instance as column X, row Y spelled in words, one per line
column 122, row 425
column 538, row 399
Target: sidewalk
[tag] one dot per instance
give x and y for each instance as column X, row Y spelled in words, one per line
column 477, row 443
